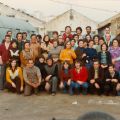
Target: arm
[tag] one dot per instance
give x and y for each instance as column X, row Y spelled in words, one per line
column 8, row 76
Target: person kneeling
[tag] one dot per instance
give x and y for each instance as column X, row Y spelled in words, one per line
column 14, row 77
column 79, row 76
column 65, row 77
column 32, row 77
column 96, row 78
column 111, row 81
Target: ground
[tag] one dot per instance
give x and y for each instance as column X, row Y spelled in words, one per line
column 61, row 106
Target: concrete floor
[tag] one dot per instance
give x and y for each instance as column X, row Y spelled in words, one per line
column 61, row 106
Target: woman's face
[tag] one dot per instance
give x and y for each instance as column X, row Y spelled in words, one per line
column 104, row 47
column 13, row 63
column 27, row 46
column 96, row 40
column 46, row 38
column 101, row 42
column 14, row 45
column 68, row 45
column 77, row 65
column 66, row 66
column 115, row 43
column 72, row 43
column 41, row 60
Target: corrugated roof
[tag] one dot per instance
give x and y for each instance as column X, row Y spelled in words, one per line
column 13, row 23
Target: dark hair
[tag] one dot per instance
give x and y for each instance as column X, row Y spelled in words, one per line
column 39, row 36
column 72, row 40
column 96, row 116
column 67, row 63
column 79, row 28
column 55, row 32
column 19, row 33
column 106, row 46
column 26, row 43
column 75, row 35
column 80, row 40
column 111, row 65
column 7, row 36
column 24, row 33
column 88, row 27
column 96, row 36
column 90, row 41
column 45, row 37
column 9, row 31
column 33, row 35
column 68, row 27
column 115, row 40
column 10, row 61
column 96, row 60
column 78, row 61
column 14, row 41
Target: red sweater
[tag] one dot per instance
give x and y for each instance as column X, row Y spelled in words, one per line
column 64, row 76
column 4, row 53
column 81, row 76
column 65, row 36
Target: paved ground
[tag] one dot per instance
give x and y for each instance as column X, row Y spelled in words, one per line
column 45, row 107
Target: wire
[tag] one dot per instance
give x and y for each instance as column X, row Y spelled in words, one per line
column 71, row 4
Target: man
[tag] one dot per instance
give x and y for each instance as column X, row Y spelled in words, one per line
column 32, row 78
column 108, row 36
column 4, row 58
column 88, row 32
column 67, row 33
column 111, row 81
column 79, row 32
column 35, row 46
column 96, row 78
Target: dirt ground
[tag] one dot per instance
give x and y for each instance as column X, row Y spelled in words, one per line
column 61, row 106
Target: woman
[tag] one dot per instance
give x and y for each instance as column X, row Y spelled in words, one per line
column 14, row 77
column 51, row 77
column 14, row 51
column 115, row 54
column 46, row 46
column 96, row 42
column 104, row 56
column 65, row 77
column 26, row 54
column 79, row 76
column 67, row 54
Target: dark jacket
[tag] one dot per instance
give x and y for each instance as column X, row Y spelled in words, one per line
column 108, row 57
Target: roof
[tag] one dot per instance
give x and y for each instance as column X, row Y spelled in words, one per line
column 71, row 10
column 13, row 23
column 108, row 21
column 22, row 12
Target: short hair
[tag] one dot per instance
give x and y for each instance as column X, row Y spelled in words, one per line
column 96, row 116
column 114, row 40
column 106, row 46
column 33, row 35
column 111, row 65
column 96, row 60
column 7, row 36
column 79, row 28
column 88, row 27
column 68, row 27
column 55, row 32
column 80, row 40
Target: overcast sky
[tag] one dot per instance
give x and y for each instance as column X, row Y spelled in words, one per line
column 48, row 8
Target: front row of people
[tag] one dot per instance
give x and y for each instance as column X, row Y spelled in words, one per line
column 73, row 80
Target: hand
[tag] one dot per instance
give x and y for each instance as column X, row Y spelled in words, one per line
column 107, row 80
column 80, row 82
column 114, row 80
column 92, row 81
column 13, row 85
column 84, row 55
column 61, row 85
column 21, row 88
column 69, row 82
column 97, row 86
column 113, row 61
column 48, row 78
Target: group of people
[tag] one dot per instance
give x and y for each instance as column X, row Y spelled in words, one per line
column 72, row 63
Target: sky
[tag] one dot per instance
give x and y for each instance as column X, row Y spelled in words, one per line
column 47, row 9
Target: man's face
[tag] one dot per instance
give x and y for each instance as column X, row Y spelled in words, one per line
column 77, row 65
column 55, row 44
column 81, row 44
column 49, row 62
column 34, row 39
column 88, row 30
column 96, row 65
column 27, row 46
column 19, row 37
column 68, row 30
column 111, row 69
column 78, row 31
column 107, row 30
column 7, row 39
column 24, row 36
column 9, row 33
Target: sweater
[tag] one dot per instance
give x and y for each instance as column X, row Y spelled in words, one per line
column 81, row 76
column 10, row 75
column 67, row 55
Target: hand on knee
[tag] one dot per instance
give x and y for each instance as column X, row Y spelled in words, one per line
column 47, row 86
